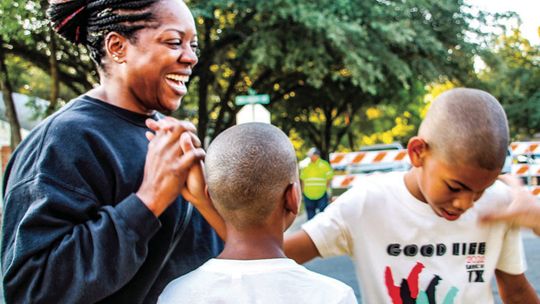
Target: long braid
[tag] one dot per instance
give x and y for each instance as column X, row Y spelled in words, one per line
column 88, row 22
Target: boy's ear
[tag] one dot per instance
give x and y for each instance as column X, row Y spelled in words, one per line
column 292, row 198
column 417, row 149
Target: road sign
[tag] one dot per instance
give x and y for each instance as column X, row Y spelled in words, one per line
column 252, row 113
column 252, row 99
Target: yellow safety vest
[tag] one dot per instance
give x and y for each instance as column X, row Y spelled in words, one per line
column 315, row 177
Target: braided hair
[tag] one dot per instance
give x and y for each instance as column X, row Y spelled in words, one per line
column 87, row 22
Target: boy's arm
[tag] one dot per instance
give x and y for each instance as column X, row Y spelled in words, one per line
column 195, row 193
column 299, row 247
column 194, row 190
column 523, row 211
column 515, row 288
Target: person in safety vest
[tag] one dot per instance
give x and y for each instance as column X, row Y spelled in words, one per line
column 315, row 179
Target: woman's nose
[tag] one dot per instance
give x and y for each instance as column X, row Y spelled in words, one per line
column 189, row 56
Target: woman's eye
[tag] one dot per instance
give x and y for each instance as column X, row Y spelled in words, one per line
column 453, row 189
column 175, row 42
column 195, row 49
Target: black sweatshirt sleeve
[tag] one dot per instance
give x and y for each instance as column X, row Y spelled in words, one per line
column 66, row 241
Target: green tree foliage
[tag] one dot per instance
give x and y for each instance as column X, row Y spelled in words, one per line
column 28, row 36
column 322, row 61
column 7, row 90
column 512, row 74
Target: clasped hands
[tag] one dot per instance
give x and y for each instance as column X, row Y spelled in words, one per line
column 173, row 165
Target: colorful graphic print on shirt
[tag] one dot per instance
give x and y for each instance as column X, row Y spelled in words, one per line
column 409, row 292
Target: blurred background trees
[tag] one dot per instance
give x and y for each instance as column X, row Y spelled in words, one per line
column 340, row 73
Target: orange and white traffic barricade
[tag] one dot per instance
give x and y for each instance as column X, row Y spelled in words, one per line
column 526, row 156
column 356, row 165
column 524, row 170
column 535, row 190
column 343, row 181
column 340, row 160
column 530, row 175
column 525, row 147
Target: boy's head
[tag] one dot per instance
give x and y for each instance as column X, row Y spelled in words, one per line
column 251, row 171
column 459, row 151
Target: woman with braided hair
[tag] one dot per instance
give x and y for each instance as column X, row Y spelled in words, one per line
column 93, row 212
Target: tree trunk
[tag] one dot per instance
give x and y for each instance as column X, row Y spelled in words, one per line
column 204, row 80
column 327, row 132
column 55, row 85
column 350, row 137
column 8, row 101
column 203, row 107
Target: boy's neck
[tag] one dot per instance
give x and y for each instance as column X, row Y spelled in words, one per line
column 256, row 244
column 412, row 185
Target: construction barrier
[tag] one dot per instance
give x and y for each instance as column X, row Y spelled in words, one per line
column 340, row 160
column 343, row 181
column 525, row 164
column 340, row 183
column 521, row 147
column 535, row 190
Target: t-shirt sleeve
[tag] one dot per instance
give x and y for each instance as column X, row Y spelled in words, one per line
column 512, row 258
column 330, row 230
column 349, row 297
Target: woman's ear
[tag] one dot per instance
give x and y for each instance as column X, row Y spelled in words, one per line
column 116, row 47
column 417, row 149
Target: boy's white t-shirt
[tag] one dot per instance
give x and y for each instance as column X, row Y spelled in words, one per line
column 268, row 281
column 403, row 251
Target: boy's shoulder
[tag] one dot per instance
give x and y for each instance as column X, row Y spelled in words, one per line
column 217, row 279
column 378, row 185
column 329, row 288
column 322, row 280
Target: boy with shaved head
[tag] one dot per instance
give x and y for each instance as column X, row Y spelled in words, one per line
column 252, row 179
column 415, row 237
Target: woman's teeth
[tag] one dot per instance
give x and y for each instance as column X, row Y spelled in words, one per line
column 178, row 78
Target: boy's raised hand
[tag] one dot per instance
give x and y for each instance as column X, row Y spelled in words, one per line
column 194, row 189
column 523, row 211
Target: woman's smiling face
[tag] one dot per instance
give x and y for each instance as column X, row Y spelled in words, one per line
column 160, row 60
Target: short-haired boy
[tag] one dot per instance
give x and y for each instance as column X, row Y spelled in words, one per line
column 414, row 237
column 252, row 179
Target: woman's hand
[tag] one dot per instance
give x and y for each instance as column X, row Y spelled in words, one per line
column 194, row 187
column 167, row 165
